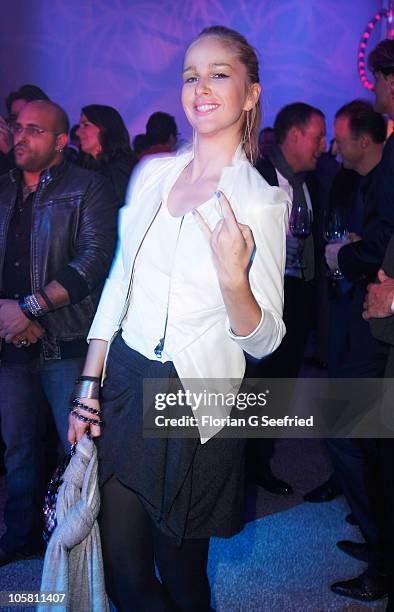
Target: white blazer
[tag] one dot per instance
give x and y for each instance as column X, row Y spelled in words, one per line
column 213, row 361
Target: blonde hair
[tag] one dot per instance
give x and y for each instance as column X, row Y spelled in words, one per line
column 248, row 57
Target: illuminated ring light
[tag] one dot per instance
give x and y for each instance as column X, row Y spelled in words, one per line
column 361, row 64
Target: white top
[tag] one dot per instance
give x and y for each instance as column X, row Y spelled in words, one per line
column 204, row 350
column 174, row 248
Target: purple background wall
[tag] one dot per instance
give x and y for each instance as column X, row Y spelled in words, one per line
column 128, row 53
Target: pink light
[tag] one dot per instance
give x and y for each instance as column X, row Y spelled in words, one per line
column 361, row 63
column 361, row 55
column 378, row 16
column 363, row 45
column 370, row 25
column 366, row 35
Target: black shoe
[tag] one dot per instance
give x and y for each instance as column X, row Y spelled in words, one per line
column 10, row 557
column 351, row 519
column 271, row 483
column 323, row 493
column 363, row 587
column 357, row 550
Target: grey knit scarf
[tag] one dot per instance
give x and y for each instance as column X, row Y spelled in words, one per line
column 297, row 180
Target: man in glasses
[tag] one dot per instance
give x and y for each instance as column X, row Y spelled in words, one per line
column 57, row 237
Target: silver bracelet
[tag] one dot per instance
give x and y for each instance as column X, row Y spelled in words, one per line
column 87, row 389
column 33, row 305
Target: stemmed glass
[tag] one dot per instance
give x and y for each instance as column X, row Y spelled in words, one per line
column 335, row 231
column 300, row 225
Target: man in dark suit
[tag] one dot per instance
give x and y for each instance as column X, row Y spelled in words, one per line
column 379, row 303
column 300, row 135
column 378, row 455
column 360, row 133
column 379, row 311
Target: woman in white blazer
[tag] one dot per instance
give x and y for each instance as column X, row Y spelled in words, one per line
column 197, row 280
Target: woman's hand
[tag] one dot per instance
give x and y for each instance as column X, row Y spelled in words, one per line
column 232, row 245
column 77, row 428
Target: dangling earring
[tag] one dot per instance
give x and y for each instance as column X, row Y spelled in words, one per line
column 246, row 139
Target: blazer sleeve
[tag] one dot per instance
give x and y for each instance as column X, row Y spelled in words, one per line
column 268, row 221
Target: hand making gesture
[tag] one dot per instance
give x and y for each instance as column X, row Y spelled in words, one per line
column 232, row 245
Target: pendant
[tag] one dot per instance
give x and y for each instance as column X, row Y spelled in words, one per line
column 159, row 349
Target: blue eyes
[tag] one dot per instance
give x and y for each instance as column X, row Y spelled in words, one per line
column 217, row 75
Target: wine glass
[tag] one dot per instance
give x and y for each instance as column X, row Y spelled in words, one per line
column 335, row 231
column 300, row 225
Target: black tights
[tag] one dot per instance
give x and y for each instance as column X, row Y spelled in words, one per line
column 132, row 543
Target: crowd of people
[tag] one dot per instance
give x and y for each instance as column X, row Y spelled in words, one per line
column 208, row 282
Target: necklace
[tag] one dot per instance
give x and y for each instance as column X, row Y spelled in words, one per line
column 26, row 191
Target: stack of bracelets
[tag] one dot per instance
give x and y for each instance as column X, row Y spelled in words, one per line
column 31, row 307
column 86, row 387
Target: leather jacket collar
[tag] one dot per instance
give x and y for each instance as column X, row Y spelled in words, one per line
column 46, row 175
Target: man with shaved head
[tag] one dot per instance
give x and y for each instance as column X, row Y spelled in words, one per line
column 57, row 238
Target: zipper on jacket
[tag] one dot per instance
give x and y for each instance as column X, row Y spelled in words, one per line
column 126, row 304
column 44, row 180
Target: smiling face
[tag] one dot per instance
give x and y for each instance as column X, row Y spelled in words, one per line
column 216, row 92
column 89, row 136
column 349, row 148
column 308, row 143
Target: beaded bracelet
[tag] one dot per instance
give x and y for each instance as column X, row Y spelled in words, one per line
column 29, row 303
column 25, row 309
column 79, row 404
column 85, row 419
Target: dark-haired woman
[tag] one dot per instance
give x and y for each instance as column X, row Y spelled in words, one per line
column 198, row 278
column 105, row 143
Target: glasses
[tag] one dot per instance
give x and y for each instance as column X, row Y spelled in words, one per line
column 31, row 130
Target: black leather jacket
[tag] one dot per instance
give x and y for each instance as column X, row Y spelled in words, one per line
column 74, row 223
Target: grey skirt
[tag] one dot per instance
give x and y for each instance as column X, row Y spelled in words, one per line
column 190, row 490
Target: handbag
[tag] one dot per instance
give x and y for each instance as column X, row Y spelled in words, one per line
column 49, row 508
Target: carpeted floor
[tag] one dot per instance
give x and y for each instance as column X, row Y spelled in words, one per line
column 285, row 558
